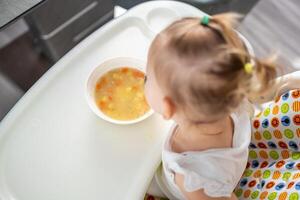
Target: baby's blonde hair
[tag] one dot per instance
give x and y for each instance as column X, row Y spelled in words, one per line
column 201, row 67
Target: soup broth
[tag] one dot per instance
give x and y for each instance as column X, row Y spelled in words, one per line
column 119, row 94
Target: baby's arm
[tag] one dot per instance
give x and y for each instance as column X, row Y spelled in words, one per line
column 199, row 194
column 281, row 85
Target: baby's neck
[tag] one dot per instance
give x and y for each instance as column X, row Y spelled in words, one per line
column 197, row 137
column 207, row 128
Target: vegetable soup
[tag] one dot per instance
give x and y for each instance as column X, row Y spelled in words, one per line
column 119, row 94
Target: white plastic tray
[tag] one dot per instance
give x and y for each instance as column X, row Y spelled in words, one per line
column 53, row 147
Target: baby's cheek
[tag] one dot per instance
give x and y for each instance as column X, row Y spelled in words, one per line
column 152, row 98
column 148, row 95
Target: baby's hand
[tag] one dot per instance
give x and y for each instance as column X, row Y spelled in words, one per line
column 282, row 85
column 291, row 83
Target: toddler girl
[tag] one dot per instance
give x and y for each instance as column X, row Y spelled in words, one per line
column 200, row 74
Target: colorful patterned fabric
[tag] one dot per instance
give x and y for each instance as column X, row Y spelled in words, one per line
column 273, row 168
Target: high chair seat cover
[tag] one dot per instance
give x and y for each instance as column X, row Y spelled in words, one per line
column 273, row 168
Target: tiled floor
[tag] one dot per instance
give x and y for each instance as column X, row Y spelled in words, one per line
column 21, row 62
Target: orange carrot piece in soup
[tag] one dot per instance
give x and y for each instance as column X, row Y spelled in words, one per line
column 102, row 104
column 98, row 86
column 138, row 74
column 101, row 83
column 124, row 69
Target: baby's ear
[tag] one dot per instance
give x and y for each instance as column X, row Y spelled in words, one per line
column 168, row 108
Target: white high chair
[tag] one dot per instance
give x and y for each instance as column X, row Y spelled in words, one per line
column 53, row 147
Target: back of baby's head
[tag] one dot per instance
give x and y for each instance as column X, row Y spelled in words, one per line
column 202, row 66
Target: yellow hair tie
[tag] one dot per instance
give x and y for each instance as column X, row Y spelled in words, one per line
column 248, row 68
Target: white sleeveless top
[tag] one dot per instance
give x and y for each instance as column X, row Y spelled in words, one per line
column 216, row 171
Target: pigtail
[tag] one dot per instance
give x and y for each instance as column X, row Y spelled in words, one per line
column 254, row 83
column 263, row 77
